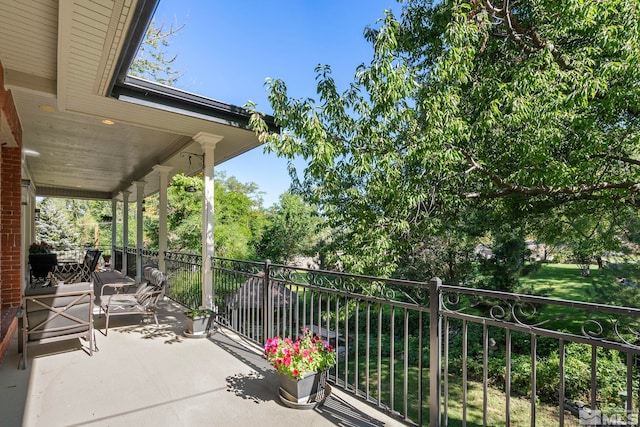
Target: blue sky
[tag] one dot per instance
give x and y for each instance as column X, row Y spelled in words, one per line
column 228, row 49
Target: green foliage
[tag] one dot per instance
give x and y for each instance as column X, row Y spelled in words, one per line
column 611, row 374
column 184, row 214
column 151, row 61
column 238, row 219
column 507, row 263
column 292, row 229
column 533, row 118
column 198, row 313
column 62, row 223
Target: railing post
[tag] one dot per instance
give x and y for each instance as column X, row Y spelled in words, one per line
column 435, row 350
column 267, row 320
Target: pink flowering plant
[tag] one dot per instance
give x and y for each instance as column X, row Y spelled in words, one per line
column 307, row 353
column 40, row 248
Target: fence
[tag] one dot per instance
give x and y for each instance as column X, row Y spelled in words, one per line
column 132, row 267
column 435, row 354
column 149, row 257
column 78, row 254
column 184, row 272
column 116, row 259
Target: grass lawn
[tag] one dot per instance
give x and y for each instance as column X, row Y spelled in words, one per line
column 520, row 407
column 563, row 281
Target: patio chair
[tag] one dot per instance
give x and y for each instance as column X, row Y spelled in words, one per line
column 57, row 313
column 143, row 301
column 73, row 272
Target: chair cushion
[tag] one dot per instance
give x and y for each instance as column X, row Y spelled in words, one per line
column 57, row 325
column 37, row 309
column 55, row 296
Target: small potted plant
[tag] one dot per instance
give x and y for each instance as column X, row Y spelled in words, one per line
column 302, row 366
column 199, row 321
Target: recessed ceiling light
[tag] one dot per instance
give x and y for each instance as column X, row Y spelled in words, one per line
column 108, row 122
column 47, row 108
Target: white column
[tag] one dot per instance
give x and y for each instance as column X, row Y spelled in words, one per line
column 208, row 143
column 114, row 229
column 163, row 172
column 32, row 213
column 125, row 229
column 27, row 226
column 139, row 230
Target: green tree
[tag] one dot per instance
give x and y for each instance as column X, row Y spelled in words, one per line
column 519, row 108
column 507, row 263
column 238, row 218
column 54, row 225
column 293, row 229
column 152, row 61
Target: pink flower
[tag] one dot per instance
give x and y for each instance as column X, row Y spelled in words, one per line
column 307, row 353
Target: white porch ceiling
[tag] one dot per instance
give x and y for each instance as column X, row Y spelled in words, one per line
column 64, row 54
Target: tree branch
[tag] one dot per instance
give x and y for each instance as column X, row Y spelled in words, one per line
column 551, row 191
column 527, row 38
column 622, row 159
column 508, row 188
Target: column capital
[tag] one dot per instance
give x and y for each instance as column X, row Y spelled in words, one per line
column 162, row 169
column 125, row 195
column 207, row 140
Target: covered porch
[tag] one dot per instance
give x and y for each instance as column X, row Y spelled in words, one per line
column 73, row 124
column 146, row 375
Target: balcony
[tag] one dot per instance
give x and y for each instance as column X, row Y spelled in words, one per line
column 410, row 353
column 145, row 375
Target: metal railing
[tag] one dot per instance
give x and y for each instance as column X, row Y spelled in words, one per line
column 184, row 275
column 132, row 267
column 433, row 353
column 150, row 257
column 78, row 254
column 116, row 258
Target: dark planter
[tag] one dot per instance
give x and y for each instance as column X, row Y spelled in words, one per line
column 42, row 264
column 309, row 389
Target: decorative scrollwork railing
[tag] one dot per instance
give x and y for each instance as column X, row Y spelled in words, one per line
column 366, row 288
column 611, row 326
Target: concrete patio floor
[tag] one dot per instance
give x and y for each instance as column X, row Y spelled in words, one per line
column 145, row 375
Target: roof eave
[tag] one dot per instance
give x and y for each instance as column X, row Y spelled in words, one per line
column 134, row 89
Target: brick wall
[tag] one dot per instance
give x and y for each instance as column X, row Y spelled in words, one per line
column 10, row 215
column 10, row 239
column 10, row 203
